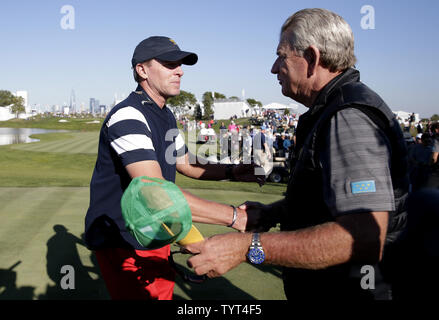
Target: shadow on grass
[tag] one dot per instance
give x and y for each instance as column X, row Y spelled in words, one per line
column 8, row 286
column 211, row 289
column 74, row 282
column 274, row 270
column 62, row 250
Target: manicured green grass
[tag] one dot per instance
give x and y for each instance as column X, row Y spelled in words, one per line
column 25, row 169
column 82, row 124
column 42, row 229
column 44, row 190
column 68, row 159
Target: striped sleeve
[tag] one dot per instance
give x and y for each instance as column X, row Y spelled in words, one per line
column 130, row 136
column 356, row 165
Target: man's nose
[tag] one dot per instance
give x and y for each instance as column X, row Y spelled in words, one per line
column 275, row 67
column 179, row 71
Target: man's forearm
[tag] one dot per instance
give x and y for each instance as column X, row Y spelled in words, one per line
column 207, row 171
column 311, row 248
column 202, row 171
column 205, row 211
column 356, row 237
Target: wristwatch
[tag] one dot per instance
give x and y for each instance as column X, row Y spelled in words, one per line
column 256, row 253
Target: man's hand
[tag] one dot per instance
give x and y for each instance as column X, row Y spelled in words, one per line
column 260, row 217
column 246, row 173
column 218, row 254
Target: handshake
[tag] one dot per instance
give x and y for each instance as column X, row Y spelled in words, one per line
column 157, row 213
column 257, row 217
column 233, row 246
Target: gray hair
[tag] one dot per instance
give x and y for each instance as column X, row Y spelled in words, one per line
column 326, row 30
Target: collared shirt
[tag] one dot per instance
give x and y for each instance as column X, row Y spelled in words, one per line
column 355, row 157
column 135, row 130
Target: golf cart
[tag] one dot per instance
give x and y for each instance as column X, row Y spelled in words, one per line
column 206, row 136
column 280, row 171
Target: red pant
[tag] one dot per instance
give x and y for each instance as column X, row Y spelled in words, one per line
column 137, row 274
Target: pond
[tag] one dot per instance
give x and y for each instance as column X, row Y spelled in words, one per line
column 21, row 135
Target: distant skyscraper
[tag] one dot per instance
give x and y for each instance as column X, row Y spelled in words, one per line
column 97, row 108
column 92, row 105
column 73, row 102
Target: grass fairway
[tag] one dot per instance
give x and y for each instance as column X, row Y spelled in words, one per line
column 44, row 195
column 82, row 124
column 41, row 230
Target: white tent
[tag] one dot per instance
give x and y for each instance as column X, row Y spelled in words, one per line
column 404, row 116
column 227, row 109
column 278, row 106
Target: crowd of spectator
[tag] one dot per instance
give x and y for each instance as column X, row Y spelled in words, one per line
column 423, row 156
column 274, row 134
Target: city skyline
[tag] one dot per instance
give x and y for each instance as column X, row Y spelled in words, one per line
column 87, row 47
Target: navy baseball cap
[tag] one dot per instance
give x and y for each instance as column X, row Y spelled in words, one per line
column 161, row 48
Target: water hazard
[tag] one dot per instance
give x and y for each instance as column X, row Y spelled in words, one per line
column 21, row 135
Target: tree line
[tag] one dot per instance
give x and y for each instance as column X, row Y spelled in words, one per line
column 187, row 99
column 7, row 99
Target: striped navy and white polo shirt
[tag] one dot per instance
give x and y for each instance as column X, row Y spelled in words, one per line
column 135, row 130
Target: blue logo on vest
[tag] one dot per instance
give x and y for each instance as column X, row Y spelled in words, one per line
column 363, row 186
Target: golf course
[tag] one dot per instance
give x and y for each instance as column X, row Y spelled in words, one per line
column 44, row 195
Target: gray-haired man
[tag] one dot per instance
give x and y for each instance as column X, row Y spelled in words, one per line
column 344, row 202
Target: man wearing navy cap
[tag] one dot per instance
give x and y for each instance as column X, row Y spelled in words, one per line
column 139, row 137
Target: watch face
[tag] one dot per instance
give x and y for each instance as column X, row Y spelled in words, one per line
column 256, row 255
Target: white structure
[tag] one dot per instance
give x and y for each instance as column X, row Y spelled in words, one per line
column 225, row 109
column 280, row 106
column 24, row 95
column 403, row 117
column 5, row 113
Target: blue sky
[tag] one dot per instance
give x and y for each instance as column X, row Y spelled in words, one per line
column 235, row 40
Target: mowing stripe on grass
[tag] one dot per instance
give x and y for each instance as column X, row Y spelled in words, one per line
column 9, row 198
column 89, row 147
column 58, row 140
column 78, row 142
column 17, row 215
column 27, row 234
column 22, row 226
column 72, row 146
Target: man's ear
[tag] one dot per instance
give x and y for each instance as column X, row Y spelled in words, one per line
column 142, row 70
column 312, row 56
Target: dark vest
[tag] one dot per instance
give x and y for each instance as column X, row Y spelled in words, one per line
column 306, row 206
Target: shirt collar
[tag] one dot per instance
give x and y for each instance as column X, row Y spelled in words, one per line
column 349, row 75
column 146, row 99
